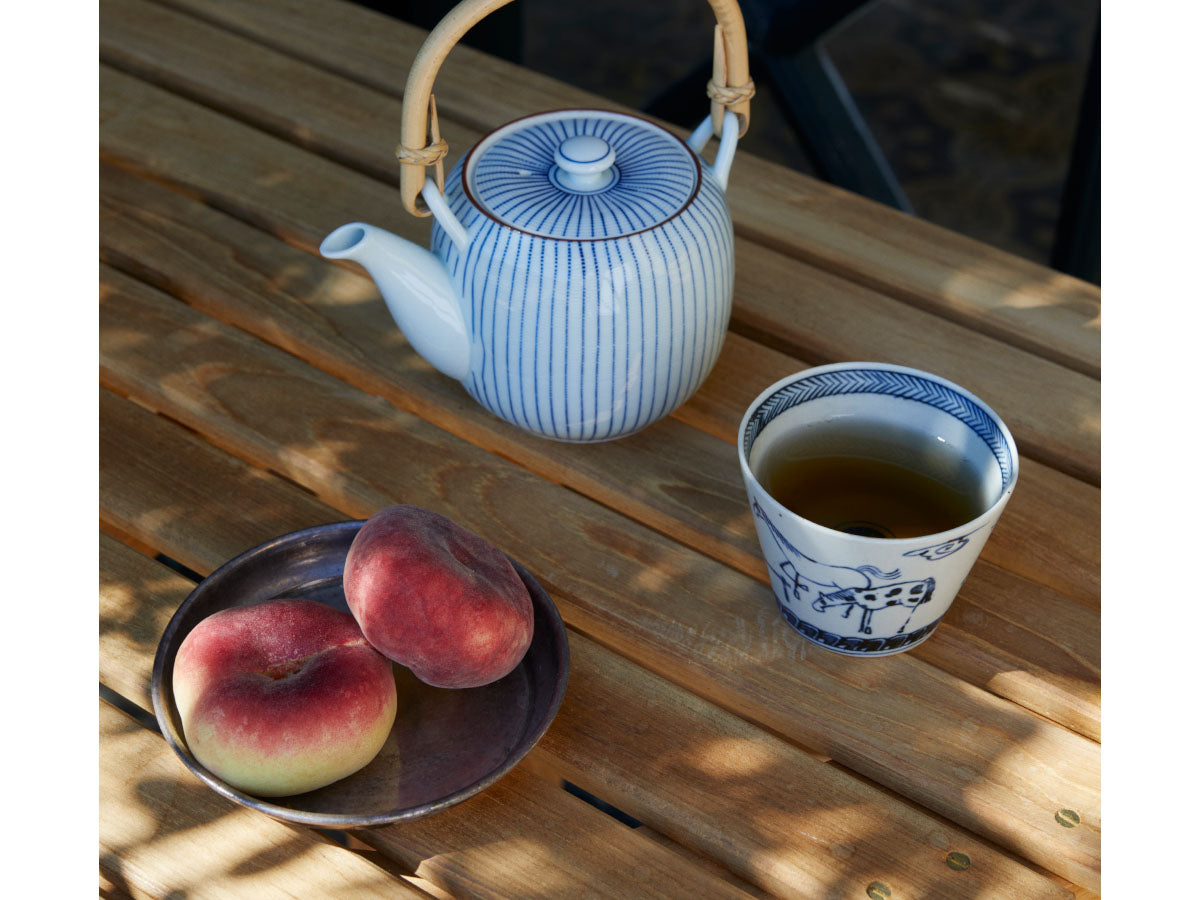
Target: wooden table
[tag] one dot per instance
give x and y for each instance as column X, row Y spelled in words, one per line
column 250, row 388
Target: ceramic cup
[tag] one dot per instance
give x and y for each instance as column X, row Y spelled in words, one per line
column 866, row 594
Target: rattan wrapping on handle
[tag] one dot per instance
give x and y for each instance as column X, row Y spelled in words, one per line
column 730, row 88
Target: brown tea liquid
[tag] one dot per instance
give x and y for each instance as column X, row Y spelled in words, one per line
column 869, row 497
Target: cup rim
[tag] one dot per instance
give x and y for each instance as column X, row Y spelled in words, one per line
column 973, row 524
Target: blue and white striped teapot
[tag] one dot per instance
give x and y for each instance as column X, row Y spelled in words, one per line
column 580, row 277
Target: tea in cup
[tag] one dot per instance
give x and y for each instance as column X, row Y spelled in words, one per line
column 873, row 487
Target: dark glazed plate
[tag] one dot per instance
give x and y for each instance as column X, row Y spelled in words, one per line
column 446, row 745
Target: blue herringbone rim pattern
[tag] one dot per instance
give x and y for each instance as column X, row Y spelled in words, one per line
column 892, row 384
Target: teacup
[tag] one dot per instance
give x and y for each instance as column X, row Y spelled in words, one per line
column 866, row 454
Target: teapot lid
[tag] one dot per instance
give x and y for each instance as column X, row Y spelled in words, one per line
column 581, row 174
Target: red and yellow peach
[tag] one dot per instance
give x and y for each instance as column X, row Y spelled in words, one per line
column 282, row 697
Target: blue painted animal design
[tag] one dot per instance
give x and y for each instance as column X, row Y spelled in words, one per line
column 870, row 600
column 867, row 588
column 815, row 572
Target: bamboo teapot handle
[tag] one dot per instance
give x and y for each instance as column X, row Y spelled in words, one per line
column 421, row 144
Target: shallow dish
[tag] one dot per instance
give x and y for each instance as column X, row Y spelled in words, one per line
column 446, row 745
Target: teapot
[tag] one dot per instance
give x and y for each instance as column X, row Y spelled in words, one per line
column 579, row 280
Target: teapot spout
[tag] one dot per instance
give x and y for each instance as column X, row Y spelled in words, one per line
column 417, row 289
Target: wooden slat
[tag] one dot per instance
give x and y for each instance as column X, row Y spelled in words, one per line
column 808, row 311
column 526, row 837
column 991, row 291
column 980, row 761
column 150, row 469
column 731, row 791
column 137, row 595
column 165, row 834
column 677, row 480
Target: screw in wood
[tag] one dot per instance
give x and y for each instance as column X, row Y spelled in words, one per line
column 1067, row 818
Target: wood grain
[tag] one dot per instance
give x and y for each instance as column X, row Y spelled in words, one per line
column 163, row 833
column 671, row 477
column 768, row 811
column 528, row 838
column 137, row 599
column 804, row 310
column 989, row 290
column 980, row 761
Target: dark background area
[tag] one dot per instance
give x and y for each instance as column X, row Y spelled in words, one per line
column 973, row 104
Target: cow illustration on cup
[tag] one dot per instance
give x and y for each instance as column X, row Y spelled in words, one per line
column 872, row 599
column 864, row 588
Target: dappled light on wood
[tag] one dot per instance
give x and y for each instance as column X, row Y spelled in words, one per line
column 249, row 388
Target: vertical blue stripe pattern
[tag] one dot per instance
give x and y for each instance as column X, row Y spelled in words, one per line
column 613, row 322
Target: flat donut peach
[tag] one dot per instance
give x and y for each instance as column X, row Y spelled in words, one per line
column 282, row 697
column 437, row 598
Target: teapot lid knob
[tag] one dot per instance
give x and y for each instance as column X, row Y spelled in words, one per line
column 584, row 164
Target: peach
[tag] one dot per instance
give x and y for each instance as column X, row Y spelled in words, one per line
column 437, row 598
column 282, row 697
